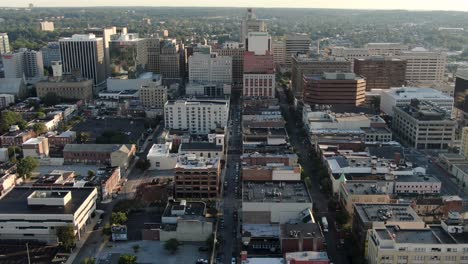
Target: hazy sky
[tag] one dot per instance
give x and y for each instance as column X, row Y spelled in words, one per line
column 460, row 5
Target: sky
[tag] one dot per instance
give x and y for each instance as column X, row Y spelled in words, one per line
column 457, row 5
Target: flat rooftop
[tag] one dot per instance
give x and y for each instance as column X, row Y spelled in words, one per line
column 194, row 209
column 274, row 191
column 369, row 130
column 305, row 230
column 418, row 178
column 431, row 235
column 366, row 187
column 306, row 255
column 200, row 146
column 262, row 230
column 386, row 212
column 190, row 161
column 16, row 201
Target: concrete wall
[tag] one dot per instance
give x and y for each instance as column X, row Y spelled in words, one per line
column 191, row 231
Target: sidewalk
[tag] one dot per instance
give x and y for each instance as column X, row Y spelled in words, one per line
column 84, row 238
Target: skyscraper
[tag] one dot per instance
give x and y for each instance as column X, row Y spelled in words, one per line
column 259, row 75
column 50, row 53
column 24, row 62
column 85, row 53
column 33, row 64
column 128, row 56
column 13, row 64
column 106, row 35
column 296, row 44
column 4, row 43
column 251, row 24
column 171, row 62
column 258, row 42
column 154, row 55
column 381, row 72
column 210, row 68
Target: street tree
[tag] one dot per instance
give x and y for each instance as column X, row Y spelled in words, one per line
column 26, row 166
column 40, row 128
column 118, row 218
column 66, row 236
column 89, row 261
column 171, row 245
column 127, row 259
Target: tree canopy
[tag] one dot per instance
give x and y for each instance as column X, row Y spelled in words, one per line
column 40, row 128
column 9, row 119
column 26, row 166
column 66, row 236
column 171, row 245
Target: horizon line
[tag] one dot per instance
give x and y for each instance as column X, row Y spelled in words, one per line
column 240, row 7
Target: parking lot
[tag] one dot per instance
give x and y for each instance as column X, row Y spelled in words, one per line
column 133, row 128
column 154, row 252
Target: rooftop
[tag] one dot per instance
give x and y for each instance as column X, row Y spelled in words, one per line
column 200, row 146
column 103, row 174
column 298, row 230
column 34, row 141
column 418, row 178
column 306, row 255
column 184, row 208
column 261, row 230
column 97, row 147
column 432, row 235
column 16, row 201
column 190, row 161
column 367, row 187
column 264, row 261
column 414, row 92
column 386, row 212
column 425, row 111
column 274, row 191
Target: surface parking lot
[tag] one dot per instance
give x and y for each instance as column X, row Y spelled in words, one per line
column 133, row 128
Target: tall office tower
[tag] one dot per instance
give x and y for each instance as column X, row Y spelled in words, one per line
column 251, row 24
column 259, row 75
column 258, row 42
column 128, row 56
column 296, row 44
column 381, row 72
column 46, row 26
column 51, row 53
column 386, row 49
column 279, row 52
column 237, row 55
column 170, row 62
column 86, row 54
column 334, row 89
column 464, row 143
column 32, row 64
column 4, row 43
column 13, row 64
column 210, row 68
column 424, row 66
column 106, row 35
column 154, row 55
column 302, row 64
column 461, row 96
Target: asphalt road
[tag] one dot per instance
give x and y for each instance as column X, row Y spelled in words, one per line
column 320, row 200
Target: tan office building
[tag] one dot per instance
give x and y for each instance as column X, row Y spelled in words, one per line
column 68, row 89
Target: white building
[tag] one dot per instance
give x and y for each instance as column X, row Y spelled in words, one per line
column 6, row 100
column 46, row 26
column 424, row 66
column 258, row 42
column 13, row 64
column 148, row 78
column 273, row 202
column 259, row 84
column 32, row 213
column 36, row 147
column 433, row 244
column 210, row 68
column 386, row 49
column 161, row 158
column 4, row 43
column 199, row 116
column 403, row 95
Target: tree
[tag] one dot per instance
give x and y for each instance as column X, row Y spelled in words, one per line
column 143, row 164
column 9, row 119
column 40, row 115
column 171, row 245
column 89, row 261
column 26, row 166
column 107, row 230
column 13, row 151
column 118, row 218
column 40, row 128
column 66, row 236
column 91, row 173
column 136, row 248
column 127, row 259
column 342, row 217
column 82, row 137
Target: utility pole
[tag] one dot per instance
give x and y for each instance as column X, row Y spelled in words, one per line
column 27, row 251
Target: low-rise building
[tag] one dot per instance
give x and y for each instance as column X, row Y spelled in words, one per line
column 161, row 158
column 67, row 88
column 16, row 137
column 263, row 159
column 34, row 213
column 273, row 202
column 377, row 134
column 301, row 237
column 203, row 149
column 106, row 181
column 36, row 147
column 307, row 257
column 393, row 244
column 424, row 125
column 272, row 172
column 401, row 96
column 419, row 184
column 6, row 100
column 185, row 221
column 369, row 215
column 353, row 192
column 197, row 177
column 101, row 154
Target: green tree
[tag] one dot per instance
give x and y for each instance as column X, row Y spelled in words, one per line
column 136, row 248
column 40, row 115
column 127, row 259
column 14, row 151
column 91, row 173
column 66, row 236
column 118, row 218
column 82, row 137
column 26, row 166
column 106, row 230
column 40, row 128
column 171, row 245
column 342, row 217
column 89, row 261
column 9, row 119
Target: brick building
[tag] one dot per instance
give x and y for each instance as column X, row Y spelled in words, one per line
column 259, row 75
column 262, row 159
column 381, row 72
column 101, row 154
column 16, row 138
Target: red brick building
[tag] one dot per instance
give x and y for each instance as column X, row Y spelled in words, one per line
column 260, row 159
column 15, row 138
column 101, row 154
column 259, row 75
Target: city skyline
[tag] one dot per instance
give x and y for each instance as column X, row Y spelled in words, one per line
column 452, row 5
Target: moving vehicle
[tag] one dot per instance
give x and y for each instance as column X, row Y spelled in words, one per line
column 325, row 224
